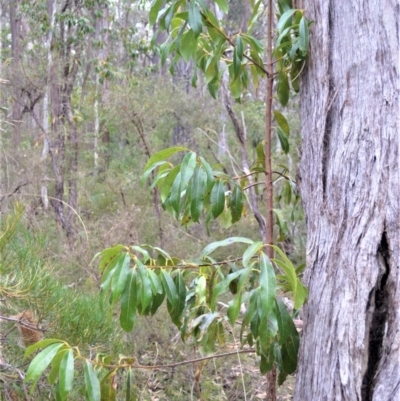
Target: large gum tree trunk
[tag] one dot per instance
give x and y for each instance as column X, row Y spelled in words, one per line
column 349, row 180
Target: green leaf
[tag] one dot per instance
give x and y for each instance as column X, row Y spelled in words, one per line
column 175, row 197
column 223, row 5
column 253, row 42
column 155, row 282
column 228, row 241
column 162, row 155
column 285, row 20
column 66, row 375
column 251, row 251
column 234, row 308
column 119, row 277
column 176, row 309
column 128, row 302
column 169, row 287
column 92, row 383
column 209, row 172
column 55, row 365
column 235, row 87
column 286, row 326
column 188, row 166
column 211, row 72
column 197, row 193
column 282, row 122
column 217, row 198
column 107, row 255
column 158, row 299
column 108, row 274
column 145, row 290
column 168, row 181
column 154, row 9
column 41, row 344
column 283, row 88
column 40, row 363
column 283, row 139
column 267, row 288
column 299, row 291
column 188, row 45
column 222, row 286
column 239, row 47
column 107, row 386
column 236, row 203
column 195, row 18
column 201, row 288
column 303, row 35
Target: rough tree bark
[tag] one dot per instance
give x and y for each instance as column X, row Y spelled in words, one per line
column 349, row 180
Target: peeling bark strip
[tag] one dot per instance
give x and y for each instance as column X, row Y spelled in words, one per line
column 349, row 181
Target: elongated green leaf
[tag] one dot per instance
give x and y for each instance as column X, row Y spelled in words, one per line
column 209, row 172
column 66, row 374
column 107, row 387
column 107, row 255
column 283, row 139
column 299, row 291
column 303, row 35
column 128, row 385
column 41, row 344
column 145, row 290
column 282, row 122
column 175, row 198
column 163, row 154
column 188, row 45
column 239, row 47
column 217, row 198
column 162, row 172
column 154, row 9
column 250, row 312
column 155, row 282
column 197, row 193
column 201, row 288
column 222, row 286
column 144, row 252
column 211, row 72
column 236, row 203
column 187, row 169
column 228, row 241
column 169, row 287
column 235, row 87
column 108, row 274
column 55, row 365
column 119, row 277
column 152, row 168
column 283, row 88
column 40, row 363
column 234, row 308
column 285, row 20
column 175, row 310
column 251, row 251
column 128, row 302
column 195, row 18
column 158, row 299
column 168, row 181
column 285, row 323
column 223, row 5
column 254, row 43
column 267, row 286
column 92, row 383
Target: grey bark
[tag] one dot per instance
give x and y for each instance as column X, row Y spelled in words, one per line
column 349, row 181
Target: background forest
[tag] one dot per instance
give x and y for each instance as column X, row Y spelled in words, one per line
column 85, row 101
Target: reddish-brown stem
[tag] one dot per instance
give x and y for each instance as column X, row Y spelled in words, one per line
column 269, row 233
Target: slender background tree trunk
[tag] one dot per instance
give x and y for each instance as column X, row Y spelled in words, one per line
column 349, row 180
